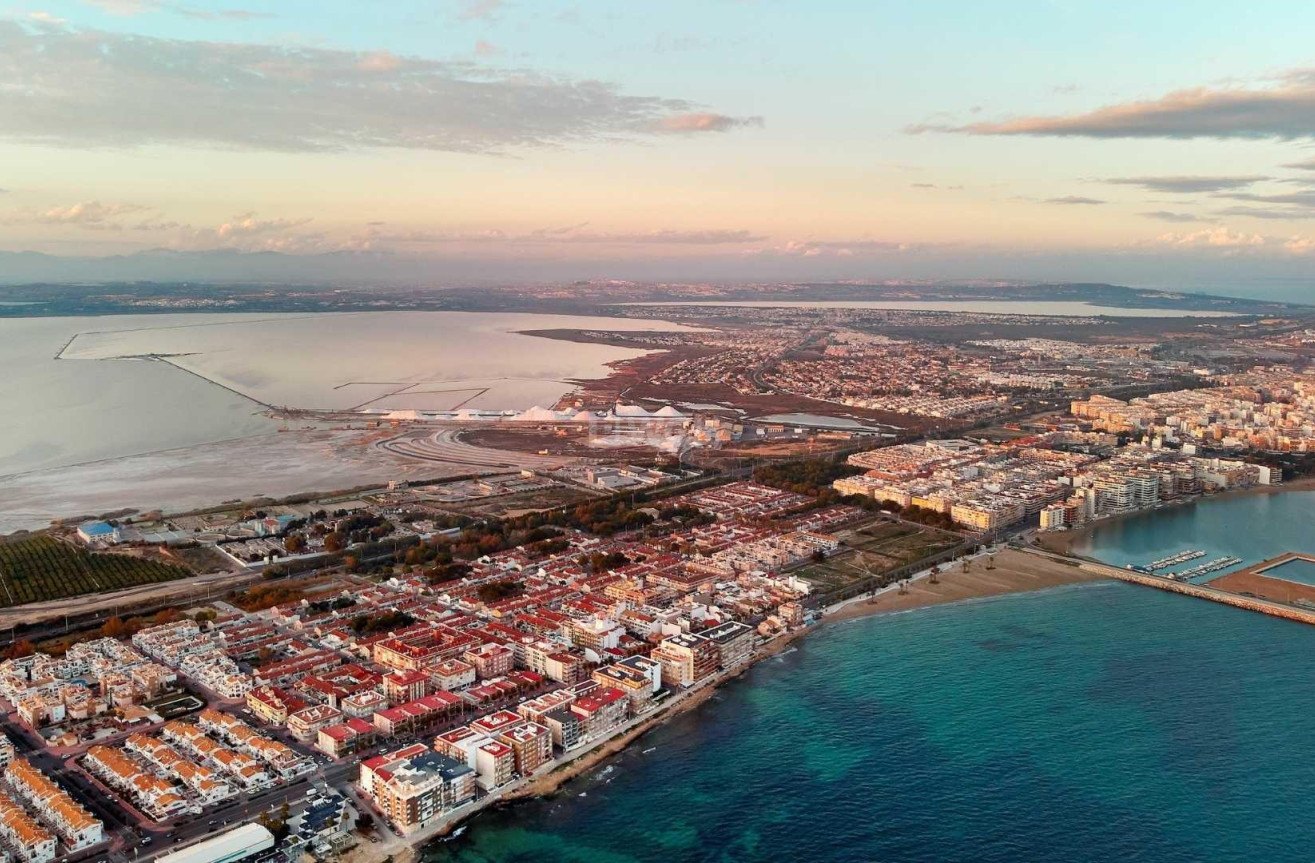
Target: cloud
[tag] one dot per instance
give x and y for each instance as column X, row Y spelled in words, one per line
column 922, row 185
column 486, row 49
column 86, row 88
column 1300, row 245
column 130, row 8
column 218, row 14
column 831, row 248
column 1187, row 184
column 46, row 18
column 86, row 213
column 575, row 234
column 1304, row 165
column 703, row 122
column 1072, row 199
column 122, row 8
column 1167, row 216
column 1296, row 199
column 1279, row 214
column 247, row 225
column 1218, row 238
column 480, row 10
column 378, row 61
column 1284, row 111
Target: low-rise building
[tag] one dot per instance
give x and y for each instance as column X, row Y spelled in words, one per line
column 57, row 808
column 30, row 842
column 305, row 724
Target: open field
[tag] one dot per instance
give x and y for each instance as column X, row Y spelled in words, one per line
column 510, row 505
column 41, row 568
column 877, row 548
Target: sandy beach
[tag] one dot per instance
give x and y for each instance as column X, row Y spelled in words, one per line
column 1013, row 572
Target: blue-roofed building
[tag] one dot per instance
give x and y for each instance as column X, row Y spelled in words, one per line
column 327, row 821
column 98, row 532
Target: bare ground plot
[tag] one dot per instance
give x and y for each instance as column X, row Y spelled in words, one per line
column 504, row 505
column 200, row 559
column 875, row 549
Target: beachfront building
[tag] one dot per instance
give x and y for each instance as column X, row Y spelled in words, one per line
column 602, row 711
column 414, row 785
column 686, row 659
column 531, row 744
column 735, row 643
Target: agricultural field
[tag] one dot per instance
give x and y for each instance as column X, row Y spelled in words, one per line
column 38, row 568
column 876, row 549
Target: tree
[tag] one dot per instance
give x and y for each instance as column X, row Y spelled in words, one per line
column 20, row 648
column 294, row 544
column 113, row 628
column 334, row 542
column 364, row 822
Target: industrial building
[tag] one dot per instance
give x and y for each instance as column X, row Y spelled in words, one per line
column 237, row 844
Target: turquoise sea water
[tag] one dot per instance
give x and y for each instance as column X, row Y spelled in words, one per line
column 1101, row 721
column 1252, row 527
column 1300, row 571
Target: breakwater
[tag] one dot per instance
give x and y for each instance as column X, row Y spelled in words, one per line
column 1274, row 609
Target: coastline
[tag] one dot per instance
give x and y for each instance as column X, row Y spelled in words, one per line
column 1013, row 572
column 1061, row 542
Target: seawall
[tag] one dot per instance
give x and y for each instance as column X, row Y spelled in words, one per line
column 1200, row 591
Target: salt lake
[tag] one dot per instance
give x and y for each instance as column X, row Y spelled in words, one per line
column 106, row 397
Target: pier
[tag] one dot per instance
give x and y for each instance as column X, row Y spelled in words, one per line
column 1200, row 591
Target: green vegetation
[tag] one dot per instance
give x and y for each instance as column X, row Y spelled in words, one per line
column 264, row 596
column 38, row 568
column 880, row 552
column 600, row 517
column 599, row 562
column 548, row 547
column 384, row 621
column 498, row 590
column 447, row 572
column 812, row 477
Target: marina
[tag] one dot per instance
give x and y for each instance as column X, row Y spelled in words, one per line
column 1206, row 568
column 1174, row 559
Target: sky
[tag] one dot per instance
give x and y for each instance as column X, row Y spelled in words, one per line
column 1167, row 144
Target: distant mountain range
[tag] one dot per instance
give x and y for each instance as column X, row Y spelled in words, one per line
column 223, row 265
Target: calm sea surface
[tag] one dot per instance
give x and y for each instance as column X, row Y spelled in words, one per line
column 1252, row 527
column 1089, row 723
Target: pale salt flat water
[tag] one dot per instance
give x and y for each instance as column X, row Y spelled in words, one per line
column 103, row 400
